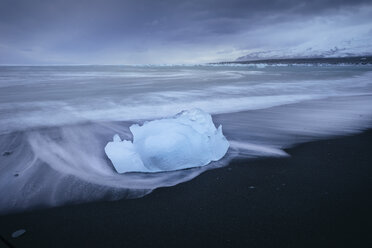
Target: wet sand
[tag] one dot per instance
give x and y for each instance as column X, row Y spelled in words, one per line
column 318, row 197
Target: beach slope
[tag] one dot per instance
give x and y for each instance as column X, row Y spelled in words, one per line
column 317, row 197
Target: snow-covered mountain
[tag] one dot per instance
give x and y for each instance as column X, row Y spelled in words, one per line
column 309, row 52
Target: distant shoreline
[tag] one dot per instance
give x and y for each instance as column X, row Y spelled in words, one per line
column 358, row 60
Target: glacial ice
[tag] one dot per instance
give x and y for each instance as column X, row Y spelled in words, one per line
column 189, row 139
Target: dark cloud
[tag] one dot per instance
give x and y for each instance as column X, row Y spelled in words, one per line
column 114, row 31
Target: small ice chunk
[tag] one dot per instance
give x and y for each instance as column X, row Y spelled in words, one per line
column 189, row 139
column 123, row 155
column 18, row 233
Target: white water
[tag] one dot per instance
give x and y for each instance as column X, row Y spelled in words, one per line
column 56, row 121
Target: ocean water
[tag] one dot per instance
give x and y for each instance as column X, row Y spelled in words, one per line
column 56, row 120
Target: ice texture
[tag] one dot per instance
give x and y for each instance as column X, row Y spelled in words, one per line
column 189, row 139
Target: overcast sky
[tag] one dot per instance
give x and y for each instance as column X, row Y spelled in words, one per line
column 171, row 31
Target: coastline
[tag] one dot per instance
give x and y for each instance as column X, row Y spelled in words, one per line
column 318, row 197
column 350, row 60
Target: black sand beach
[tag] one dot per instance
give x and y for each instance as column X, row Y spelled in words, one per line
column 318, row 197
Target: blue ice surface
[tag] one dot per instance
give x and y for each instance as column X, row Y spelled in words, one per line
column 189, row 139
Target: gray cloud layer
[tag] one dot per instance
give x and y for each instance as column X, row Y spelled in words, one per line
column 169, row 31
